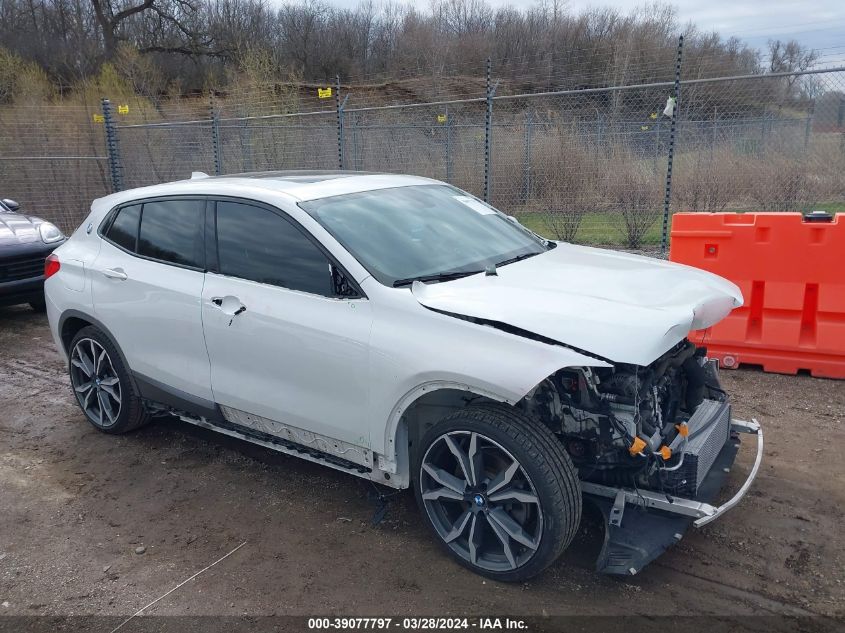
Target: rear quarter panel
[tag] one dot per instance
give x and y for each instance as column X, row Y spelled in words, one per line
column 70, row 288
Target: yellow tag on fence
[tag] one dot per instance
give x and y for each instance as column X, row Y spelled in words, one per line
column 324, row 93
column 123, row 109
column 441, row 118
column 99, row 118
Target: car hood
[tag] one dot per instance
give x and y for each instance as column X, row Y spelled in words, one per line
column 624, row 308
column 18, row 229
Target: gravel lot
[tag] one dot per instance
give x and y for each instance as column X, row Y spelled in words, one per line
column 75, row 505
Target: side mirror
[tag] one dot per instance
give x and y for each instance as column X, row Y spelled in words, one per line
column 13, row 206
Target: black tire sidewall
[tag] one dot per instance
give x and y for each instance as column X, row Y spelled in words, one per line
column 131, row 411
column 553, row 538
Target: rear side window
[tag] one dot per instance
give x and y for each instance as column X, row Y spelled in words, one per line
column 124, row 229
column 172, row 231
column 259, row 245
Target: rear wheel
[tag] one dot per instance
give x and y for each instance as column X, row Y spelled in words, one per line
column 102, row 385
column 498, row 490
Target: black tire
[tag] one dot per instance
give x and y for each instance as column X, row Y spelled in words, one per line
column 130, row 413
column 545, row 477
column 39, row 305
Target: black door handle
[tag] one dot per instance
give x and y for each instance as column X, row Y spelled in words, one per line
column 218, row 301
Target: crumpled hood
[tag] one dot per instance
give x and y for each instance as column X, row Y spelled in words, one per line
column 625, row 308
column 18, row 229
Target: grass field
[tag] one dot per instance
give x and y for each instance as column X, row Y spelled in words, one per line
column 598, row 227
column 606, row 227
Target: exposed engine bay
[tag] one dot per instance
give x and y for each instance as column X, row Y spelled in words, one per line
column 657, row 427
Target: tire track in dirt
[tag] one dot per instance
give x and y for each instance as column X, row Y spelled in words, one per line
column 771, row 603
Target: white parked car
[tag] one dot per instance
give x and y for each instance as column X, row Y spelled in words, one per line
column 401, row 330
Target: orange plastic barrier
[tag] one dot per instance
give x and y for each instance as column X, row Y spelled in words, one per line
column 792, row 276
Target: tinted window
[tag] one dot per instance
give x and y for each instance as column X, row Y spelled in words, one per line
column 124, row 229
column 406, row 232
column 172, row 231
column 257, row 244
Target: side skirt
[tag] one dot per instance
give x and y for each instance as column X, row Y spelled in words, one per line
column 161, row 399
column 261, row 427
column 280, row 445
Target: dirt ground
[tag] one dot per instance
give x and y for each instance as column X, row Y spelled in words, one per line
column 75, row 504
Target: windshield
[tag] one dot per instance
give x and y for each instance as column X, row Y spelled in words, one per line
column 423, row 231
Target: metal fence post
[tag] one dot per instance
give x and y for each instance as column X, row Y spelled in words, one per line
column 339, row 107
column 667, row 196
column 355, row 126
column 714, row 131
column 246, row 143
column 112, row 148
column 526, row 161
column 599, row 128
column 215, row 135
column 808, row 127
column 488, row 135
column 449, row 165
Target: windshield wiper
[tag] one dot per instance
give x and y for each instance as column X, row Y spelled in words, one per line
column 444, row 276
column 518, row 258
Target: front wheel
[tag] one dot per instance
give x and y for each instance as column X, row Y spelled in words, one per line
column 498, row 490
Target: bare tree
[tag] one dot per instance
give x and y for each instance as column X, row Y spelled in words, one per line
column 157, row 20
column 196, row 43
column 790, row 56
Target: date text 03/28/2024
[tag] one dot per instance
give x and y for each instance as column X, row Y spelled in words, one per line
column 419, row 624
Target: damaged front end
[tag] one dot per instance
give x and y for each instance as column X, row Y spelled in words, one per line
column 652, row 444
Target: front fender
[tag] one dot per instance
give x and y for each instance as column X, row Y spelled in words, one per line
column 419, row 350
column 391, row 429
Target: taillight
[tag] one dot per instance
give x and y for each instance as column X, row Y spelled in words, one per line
column 51, row 265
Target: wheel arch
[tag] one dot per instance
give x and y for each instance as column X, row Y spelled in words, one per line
column 72, row 321
column 423, row 406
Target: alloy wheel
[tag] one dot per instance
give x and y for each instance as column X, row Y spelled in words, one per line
column 95, row 382
column 481, row 501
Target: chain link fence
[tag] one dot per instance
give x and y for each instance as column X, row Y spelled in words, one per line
column 53, row 161
column 586, row 165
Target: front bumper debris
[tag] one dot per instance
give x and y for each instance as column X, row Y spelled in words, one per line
column 709, row 513
column 642, row 524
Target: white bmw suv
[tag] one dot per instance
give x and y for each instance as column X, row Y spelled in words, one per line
column 401, row 330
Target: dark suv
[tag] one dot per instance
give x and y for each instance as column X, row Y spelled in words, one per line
column 25, row 242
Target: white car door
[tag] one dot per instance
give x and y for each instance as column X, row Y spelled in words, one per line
column 147, row 283
column 282, row 345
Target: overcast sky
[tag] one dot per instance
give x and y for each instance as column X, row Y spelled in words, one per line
column 816, row 23
column 819, row 24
